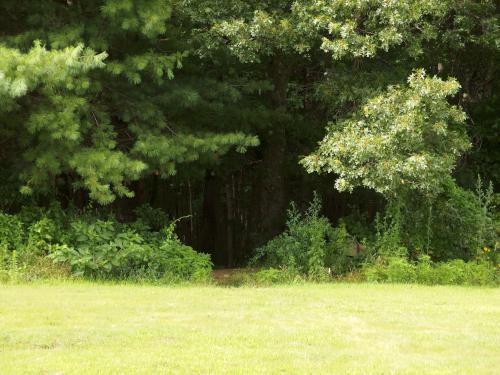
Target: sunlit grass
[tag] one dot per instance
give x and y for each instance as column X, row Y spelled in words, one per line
column 82, row 328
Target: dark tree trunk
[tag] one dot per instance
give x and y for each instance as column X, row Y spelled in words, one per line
column 208, row 216
column 272, row 194
column 230, row 224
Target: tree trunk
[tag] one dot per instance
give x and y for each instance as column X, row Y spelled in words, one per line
column 229, row 225
column 272, row 194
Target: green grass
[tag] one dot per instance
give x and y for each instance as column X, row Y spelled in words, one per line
column 84, row 328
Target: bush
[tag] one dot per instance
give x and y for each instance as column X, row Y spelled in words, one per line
column 394, row 270
column 106, row 249
column 4, row 256
column 456, row 224
column 433, row 225
column 309, row 246
column 340, row 245
column 468, row 214
column 41, row 235
column 102, row 250
column 388, row 259
column 176, row 261
column 388, row 241
column 37, row 244
column 424, row 271
column 399, row 270
column 11, row 232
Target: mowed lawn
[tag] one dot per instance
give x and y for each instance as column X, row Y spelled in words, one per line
column 84, row 328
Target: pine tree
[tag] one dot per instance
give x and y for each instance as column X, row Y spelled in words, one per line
column 95, row 119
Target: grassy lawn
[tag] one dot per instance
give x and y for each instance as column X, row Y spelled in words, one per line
column 312, row 329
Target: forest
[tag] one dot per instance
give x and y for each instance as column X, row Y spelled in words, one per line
column 297, row 139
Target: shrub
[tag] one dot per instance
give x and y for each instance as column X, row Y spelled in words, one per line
column 11, row 232
column 388, row 240
column 375, row 272
column 52, row 243
column 399, row 270
column 433, row 225
column 309, row 246
column 463, row 212
column 340, row 244
column 456, row 224
column 176, row 261
column 4, row 255
column 100, row 250
column 482, row 273
column 392, row 270
column 106, row 249
column 424, row 271
column 41, row 235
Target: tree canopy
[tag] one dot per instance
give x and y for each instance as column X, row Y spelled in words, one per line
column 406, row 139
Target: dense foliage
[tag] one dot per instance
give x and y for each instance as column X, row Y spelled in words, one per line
column 311, row 249
column 310, row 246
column 216, row 110
column 97, row 247
column 406, row 140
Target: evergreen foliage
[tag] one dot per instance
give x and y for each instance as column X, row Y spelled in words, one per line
column 94, row 120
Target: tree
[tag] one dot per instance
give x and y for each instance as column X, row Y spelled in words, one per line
column 406, row 140
column 287, row 43
column 87, row 121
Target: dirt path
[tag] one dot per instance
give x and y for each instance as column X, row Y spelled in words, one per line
column 226, row 273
